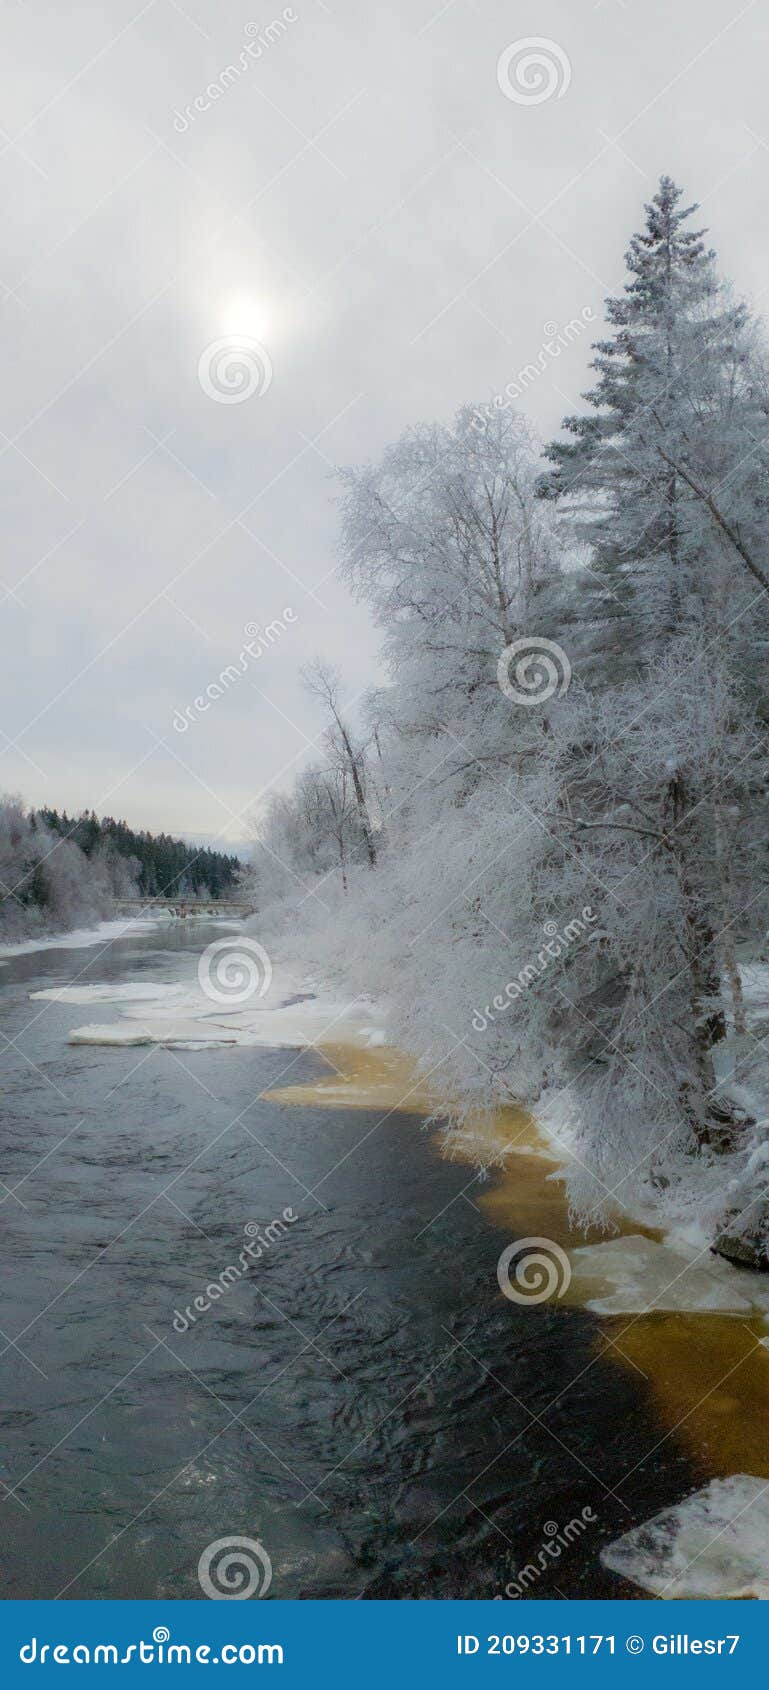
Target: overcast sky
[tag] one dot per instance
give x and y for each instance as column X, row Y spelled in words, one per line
column 396, row 211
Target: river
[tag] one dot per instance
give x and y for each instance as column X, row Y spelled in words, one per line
column 362, row 1400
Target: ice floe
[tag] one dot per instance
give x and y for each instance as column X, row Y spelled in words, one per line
column 292, row 1014
column 714, row 1544
column 122, row 1033
column 637, row 1275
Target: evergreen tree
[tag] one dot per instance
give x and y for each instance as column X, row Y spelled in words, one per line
column 673, row 437
column 167, row 867
column 664, row 476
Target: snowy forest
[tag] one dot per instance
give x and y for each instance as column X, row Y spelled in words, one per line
column 543, row 843
column 162, row 865
column 57, row 871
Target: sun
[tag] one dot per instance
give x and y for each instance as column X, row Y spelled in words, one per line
column 246, row 314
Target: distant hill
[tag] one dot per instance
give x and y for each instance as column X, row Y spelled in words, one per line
column 240, row 848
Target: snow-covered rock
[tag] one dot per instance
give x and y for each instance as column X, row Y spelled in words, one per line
column 745, row 1236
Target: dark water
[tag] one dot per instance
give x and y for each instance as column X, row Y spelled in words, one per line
column 363, row 1401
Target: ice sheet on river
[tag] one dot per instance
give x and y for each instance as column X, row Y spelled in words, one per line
column 713, row 1545
column 291, row 1014
column 637, row 1275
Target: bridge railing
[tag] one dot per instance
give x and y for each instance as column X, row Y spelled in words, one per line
column 186, row 906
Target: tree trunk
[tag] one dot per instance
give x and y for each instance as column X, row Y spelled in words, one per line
column 360, row 797
column 708, row 1019
column 726, row 940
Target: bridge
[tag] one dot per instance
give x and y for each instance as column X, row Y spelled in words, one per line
column 231, row 908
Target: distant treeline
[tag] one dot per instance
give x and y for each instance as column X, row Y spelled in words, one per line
column 58, row 871
column 165, row 866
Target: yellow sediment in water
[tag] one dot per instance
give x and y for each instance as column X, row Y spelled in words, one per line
column 527, row 1197
column 362, row 1078
column 709, row 1377
column 708, row 1374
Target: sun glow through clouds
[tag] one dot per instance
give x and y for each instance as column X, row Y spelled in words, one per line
column 245, row 314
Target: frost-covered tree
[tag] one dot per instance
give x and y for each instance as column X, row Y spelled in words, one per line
column 349, row 759
column 565, row 894
column 665, row 472
column 651, row 999
column 449, row 547
column 47, row 882
column 310, row 834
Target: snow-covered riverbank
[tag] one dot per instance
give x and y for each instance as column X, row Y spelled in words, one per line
column 80, row 938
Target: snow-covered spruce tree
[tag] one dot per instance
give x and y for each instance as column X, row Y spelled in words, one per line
column 665, row 473
column 666, row 476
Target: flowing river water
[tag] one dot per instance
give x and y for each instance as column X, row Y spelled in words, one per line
column 361, row 1400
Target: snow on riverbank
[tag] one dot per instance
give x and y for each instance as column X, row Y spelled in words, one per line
column 131, row 992
column 675, row 1268
column 79, row 938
